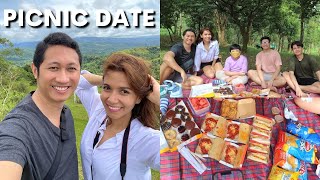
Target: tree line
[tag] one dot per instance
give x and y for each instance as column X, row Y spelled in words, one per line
column 245, row 21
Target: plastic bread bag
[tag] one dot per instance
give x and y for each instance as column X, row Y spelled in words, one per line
column 303, row 132
column 281, row 174
column 296, row 147
column 290, row 163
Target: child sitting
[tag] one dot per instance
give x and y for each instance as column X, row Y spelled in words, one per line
column 235, row 68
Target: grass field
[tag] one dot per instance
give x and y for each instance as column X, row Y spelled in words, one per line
column 80, row 120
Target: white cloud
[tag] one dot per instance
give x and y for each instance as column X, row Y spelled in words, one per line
column 18, row 34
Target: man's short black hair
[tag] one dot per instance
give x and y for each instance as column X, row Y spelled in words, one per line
column 57, row 38
column 234, row 46
column 265, row 37
column 298, row 43
column 189, row 29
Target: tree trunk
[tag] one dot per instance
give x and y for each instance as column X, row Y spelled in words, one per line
column 221, row 21
column 282, row 42
column 301, row 29
column 180, row 25
column 279, row 43
column 245, row 30
column 170, row 34
column 289, row 44
column 245, row 38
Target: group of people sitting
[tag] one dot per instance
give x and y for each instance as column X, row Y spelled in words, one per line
column 185, row 62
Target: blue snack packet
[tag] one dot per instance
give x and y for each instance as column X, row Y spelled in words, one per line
column 303, row 132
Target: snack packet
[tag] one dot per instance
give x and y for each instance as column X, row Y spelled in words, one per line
column 290, row 163
column 303, row 132
column 296, row 147
column 281, row 174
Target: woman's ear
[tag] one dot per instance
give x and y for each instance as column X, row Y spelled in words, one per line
column 138, row 100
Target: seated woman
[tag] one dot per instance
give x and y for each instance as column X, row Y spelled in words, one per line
column 235, row 68
column 122, row 132
column 207, row 54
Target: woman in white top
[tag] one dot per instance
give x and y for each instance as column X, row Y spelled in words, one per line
column 129, row 98
column 207, row 54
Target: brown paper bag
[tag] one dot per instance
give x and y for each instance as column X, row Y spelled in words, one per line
column 246, row 108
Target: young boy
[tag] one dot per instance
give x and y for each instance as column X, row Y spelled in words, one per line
column 235, row 68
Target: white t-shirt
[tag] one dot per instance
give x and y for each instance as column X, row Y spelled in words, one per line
column 143, row 143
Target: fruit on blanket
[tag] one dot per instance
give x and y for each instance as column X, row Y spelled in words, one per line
column 238, row 88
column 239, row 85
column 199, row 103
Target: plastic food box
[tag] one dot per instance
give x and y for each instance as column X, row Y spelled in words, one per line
column 199, row 106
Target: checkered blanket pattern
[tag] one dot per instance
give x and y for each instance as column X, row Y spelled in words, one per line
column 174, row 166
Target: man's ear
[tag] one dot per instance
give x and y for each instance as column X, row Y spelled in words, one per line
column 34, row 71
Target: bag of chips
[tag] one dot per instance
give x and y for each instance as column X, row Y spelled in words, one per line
column 290, row 163
column 296, row 147
column 303, row 132
column 281, row 174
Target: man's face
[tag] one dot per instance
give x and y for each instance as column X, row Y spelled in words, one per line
column 297, row 50
column 189, row 38
column 265, row 44
column 58, row 75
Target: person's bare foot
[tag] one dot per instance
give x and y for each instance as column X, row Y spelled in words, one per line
column 272, row 88
column 253, row 84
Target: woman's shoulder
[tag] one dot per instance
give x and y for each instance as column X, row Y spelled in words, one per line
column 200, row 45
column 214, row 42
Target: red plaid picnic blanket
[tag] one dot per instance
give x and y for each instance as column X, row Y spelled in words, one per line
column 174, row 166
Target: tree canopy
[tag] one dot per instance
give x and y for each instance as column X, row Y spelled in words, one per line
column 245, row 20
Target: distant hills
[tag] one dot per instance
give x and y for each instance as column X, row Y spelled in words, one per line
column 91, row 46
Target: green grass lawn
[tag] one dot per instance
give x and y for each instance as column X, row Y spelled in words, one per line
column 80, row 120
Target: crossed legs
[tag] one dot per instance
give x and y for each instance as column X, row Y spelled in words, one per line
column 279, row 81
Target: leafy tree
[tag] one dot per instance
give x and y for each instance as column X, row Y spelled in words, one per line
column 170, row 13
column 307, row 9
column 244, row 13
column 12, row 82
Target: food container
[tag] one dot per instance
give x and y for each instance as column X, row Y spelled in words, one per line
column 179, row 126
column 238, row 88
column 199, row 106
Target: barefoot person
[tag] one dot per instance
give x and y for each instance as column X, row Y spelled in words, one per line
column 178, row 62
column 268, row 65
column 302, row 70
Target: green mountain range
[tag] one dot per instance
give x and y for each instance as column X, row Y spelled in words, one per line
column 97, row 46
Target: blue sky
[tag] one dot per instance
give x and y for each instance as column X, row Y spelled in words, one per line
column 18, row 34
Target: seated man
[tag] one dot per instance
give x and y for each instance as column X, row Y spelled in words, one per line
column 268, row 64
column 302, row 69
column 179, row 61
column 235, row 67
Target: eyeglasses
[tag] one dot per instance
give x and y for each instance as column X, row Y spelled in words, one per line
column 265, row 42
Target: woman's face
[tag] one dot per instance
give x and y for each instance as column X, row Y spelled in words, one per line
column 117, row 96
column 206, row 36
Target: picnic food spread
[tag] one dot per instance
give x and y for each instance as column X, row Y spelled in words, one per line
column 232, row 143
